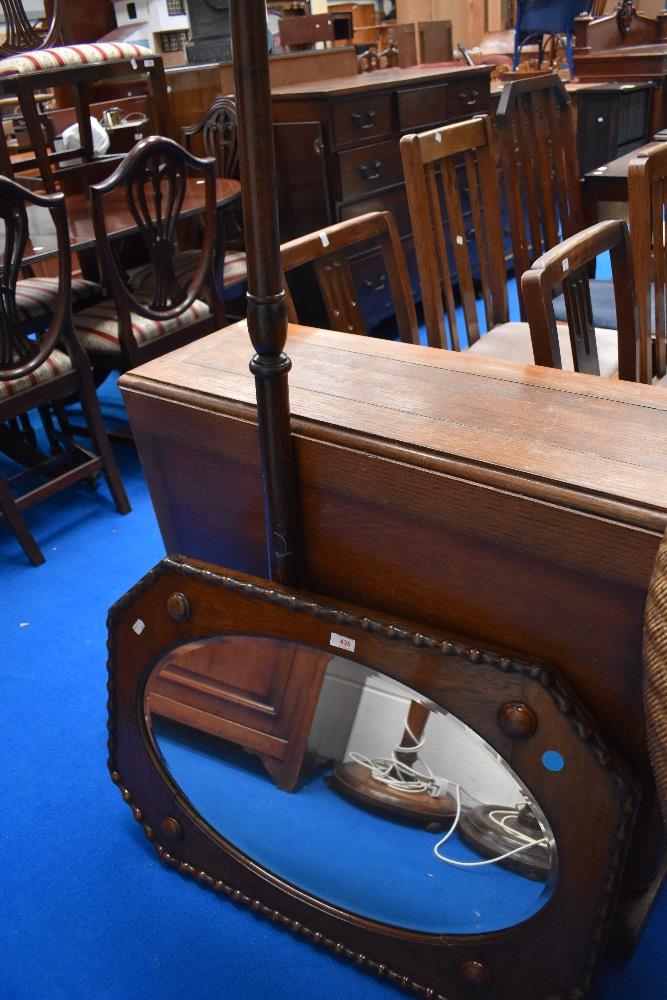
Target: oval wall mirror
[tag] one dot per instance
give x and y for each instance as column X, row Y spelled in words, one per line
column 351, row 779
column 276, row 744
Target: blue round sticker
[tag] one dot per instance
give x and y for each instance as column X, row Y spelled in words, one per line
column 553, row 761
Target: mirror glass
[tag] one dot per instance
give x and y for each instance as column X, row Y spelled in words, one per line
column 349, row 785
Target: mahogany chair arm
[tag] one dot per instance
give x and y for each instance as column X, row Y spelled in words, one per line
column 568, row 265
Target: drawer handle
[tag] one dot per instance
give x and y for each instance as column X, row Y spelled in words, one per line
column 469, row 99
column 370, row 173
column 368, row 115
column 379, row 286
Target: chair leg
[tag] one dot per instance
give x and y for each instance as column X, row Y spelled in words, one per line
column 98, row 434
column 47, row 423
column 17, row 523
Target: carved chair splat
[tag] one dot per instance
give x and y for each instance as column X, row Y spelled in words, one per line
column 22, row 35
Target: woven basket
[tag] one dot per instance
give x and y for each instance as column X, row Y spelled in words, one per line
column 655, row 672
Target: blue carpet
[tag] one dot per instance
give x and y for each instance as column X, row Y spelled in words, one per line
column 358, row 860
column 88, row 913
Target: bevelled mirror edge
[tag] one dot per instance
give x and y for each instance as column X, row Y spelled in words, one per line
column 180, row 600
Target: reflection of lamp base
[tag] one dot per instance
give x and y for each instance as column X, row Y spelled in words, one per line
column 481, row 832
column 356, row 782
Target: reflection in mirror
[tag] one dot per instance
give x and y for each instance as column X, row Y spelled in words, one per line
column 349, row 785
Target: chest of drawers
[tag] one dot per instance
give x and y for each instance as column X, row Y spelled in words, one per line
column 351, row 163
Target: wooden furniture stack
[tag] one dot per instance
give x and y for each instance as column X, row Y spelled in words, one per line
column 625, row 46
column 431, row 487
column 351, row 164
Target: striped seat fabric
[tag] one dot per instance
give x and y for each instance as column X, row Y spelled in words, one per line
column 36, row 297
column 71, row 55
column 97, row 327
column 57, row 363
column 140, row 279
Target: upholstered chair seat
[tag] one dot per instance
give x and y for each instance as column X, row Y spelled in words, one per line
column 58, row 363
column 36, row 297
column 511, row 341
column 70, row 55
column 97, row 327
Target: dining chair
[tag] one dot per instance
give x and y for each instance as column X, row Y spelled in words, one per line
column 541, row 178
column 647, row 198
column 216, row 135
column 568, row 265
column 451, row 172
column 132, row 325
column 329, row 251
column 42, row 369
column 22, row 33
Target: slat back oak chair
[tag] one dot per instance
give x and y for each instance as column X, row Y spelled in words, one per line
column 42, row 370
column 452, row 171
column 328, row 250
column 541, row 177
column 134, row 326
column 568, row 265
column 647, row 195
column 538, row 155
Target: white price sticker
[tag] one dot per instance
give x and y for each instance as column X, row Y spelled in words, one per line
column 342, row 642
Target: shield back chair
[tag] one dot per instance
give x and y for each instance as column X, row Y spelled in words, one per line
column 133, row 326
column 647, row 194
column 23, row 34
column 541, row 179
column 41, row 370
column 568, row 265
column 216, row 135
column 329, row 251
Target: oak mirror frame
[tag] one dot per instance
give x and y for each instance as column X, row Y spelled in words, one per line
column 589, row 804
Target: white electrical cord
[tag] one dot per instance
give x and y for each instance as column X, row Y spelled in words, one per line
column 506, row 815
column 396, row 773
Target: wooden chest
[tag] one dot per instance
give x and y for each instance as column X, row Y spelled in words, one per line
column 519, row 506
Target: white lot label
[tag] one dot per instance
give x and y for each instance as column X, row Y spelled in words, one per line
column 342, row 642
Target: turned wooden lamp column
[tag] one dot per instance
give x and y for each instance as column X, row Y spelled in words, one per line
column 267, row 313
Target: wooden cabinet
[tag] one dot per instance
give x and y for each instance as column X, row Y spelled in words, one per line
column 354, row 163
column 612, row 119
column 259, row 694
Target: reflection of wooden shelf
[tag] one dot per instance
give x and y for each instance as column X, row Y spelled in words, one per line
column 260, row 695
